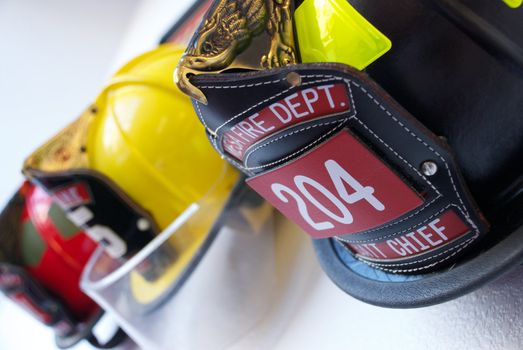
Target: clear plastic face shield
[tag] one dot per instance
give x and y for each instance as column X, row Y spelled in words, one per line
column 239, row 289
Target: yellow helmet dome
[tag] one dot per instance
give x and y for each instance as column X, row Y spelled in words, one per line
column 146, row 138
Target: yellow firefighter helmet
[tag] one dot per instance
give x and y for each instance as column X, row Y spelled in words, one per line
column 132, row 163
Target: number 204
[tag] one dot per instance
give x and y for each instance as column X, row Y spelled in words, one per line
column 340, row 178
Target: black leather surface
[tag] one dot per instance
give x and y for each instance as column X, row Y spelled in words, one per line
column 455, row 87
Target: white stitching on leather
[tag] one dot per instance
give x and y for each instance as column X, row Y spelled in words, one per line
column 348, row 81
column 200, row 115
column 398, row 233
column 398, row 155
column 463, row 209
column 426, row 205
column 422, row 260
column 353, row 110
column 341, row 123
column 468, row 242
column 224, row 156
column 242, row 86
column 461, row 246
column 331, row 78
column 422, row 142
column 466, row 213
column 213, row 132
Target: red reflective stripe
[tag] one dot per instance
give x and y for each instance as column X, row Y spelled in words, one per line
column 304, row 105
column 425, row 238
column 354, row 159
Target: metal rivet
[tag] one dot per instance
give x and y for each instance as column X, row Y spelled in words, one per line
column 429, row 168
column 294, row 79
column 143, row 224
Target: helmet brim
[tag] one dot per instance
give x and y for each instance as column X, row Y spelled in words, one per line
column 411, row 291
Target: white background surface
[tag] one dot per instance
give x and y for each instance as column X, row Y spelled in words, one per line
column 55, row 55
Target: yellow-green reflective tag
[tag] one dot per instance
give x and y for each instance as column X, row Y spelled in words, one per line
column 513, row 3
column 333, row 31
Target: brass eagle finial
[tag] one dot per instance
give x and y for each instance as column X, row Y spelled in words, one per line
column 223, row 39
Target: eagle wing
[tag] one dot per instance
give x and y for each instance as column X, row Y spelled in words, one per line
column 232, row 23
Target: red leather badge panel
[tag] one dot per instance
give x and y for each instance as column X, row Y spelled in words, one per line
column 338, row 188
column 304, row 105
column 433, row 235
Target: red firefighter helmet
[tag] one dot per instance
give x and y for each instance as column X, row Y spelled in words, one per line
column 42, row 255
